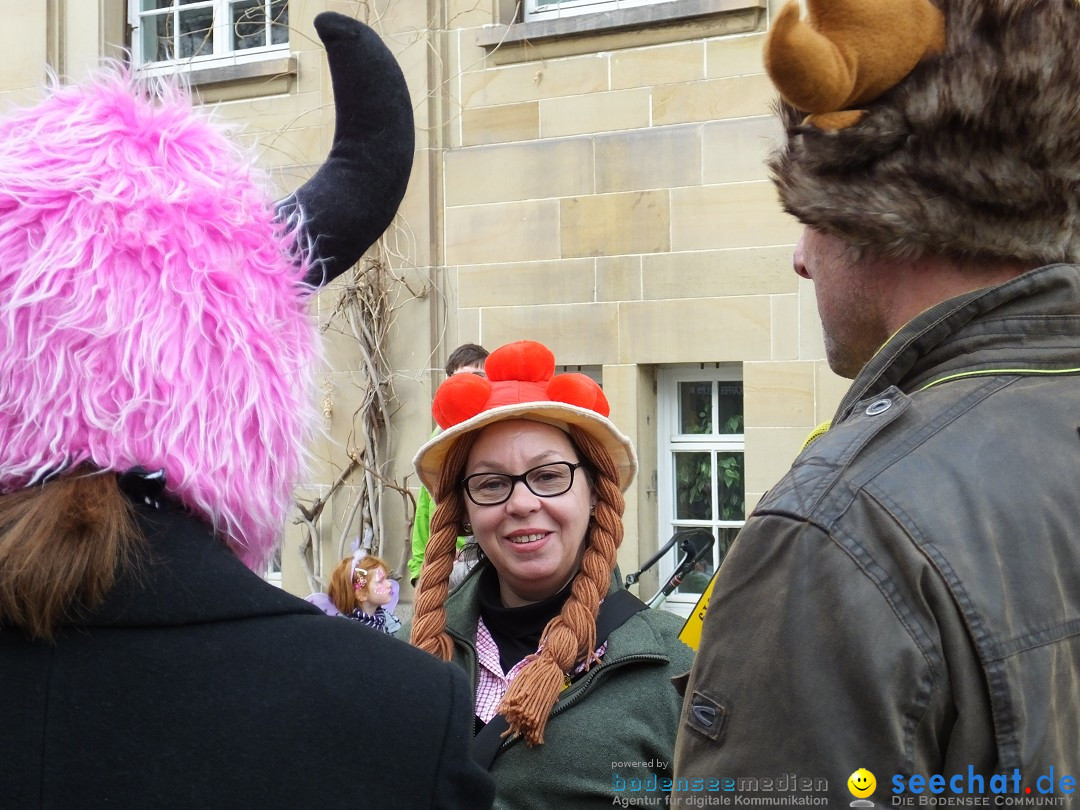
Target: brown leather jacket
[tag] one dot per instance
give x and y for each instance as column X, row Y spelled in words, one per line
column 907, row 598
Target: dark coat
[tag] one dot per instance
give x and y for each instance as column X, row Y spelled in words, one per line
column 906, row 598
column 199, row 685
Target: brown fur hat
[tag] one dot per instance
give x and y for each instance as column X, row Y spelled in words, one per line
column 975, row 153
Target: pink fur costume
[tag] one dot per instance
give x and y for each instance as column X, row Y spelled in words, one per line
column 152, row 309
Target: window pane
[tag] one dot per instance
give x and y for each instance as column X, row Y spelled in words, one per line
column 701, row 574
column 695, row 407
column 696, row 540
column 566, row 8
column 157, row 37
column 693, row 486
column 546, row 5
column 155, row 5
column 279, row 29
column 248, row 21
column 730, row 408
column 196, row 32
column 730, row 486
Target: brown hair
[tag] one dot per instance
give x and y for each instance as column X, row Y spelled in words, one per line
column 467, row 354
column 62, row 545
column 570, row 637
column 341, row 591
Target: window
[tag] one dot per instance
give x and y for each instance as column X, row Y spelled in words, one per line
column 168, row 32
column 553, row 9
column 700, row 475
column 528, row 30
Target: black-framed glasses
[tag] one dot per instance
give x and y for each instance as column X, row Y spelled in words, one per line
column 545, row 481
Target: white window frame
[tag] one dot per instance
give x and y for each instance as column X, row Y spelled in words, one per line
column 222, row 56
column 536, row 10
column 670, row 441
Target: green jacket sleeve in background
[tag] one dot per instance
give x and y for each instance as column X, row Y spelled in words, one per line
column 421, row 530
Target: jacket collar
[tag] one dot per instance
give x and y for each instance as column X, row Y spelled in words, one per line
column 1029, row 322
column 187, row 576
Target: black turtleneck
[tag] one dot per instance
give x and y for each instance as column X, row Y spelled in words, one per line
column 516, row 630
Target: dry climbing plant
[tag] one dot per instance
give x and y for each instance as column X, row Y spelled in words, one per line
column 363, row 313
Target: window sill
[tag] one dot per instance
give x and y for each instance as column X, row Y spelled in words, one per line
column 625, row 28
column 244, row 71
column 225, row 80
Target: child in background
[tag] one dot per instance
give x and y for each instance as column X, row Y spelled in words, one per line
column 361, row 589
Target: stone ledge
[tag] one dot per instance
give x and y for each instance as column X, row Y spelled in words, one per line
column 623, row 28
column 243, row 72
column 225, row 80
column 264, row 77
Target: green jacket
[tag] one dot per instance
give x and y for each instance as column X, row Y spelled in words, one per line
column 421, row 532
column 611, row 733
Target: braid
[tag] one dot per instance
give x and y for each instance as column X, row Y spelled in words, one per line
column 571, row 636
column 429, row 612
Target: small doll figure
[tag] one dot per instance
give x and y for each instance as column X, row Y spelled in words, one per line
column 361, row 589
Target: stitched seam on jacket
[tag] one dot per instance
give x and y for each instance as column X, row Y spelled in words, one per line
column 908, row 441
column 1005, row 731
column 1041, row 637
column 916, row 712
column 828, row 491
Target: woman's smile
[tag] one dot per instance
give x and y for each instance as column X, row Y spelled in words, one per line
column 529, row 539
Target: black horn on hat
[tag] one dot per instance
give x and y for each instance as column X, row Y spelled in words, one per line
column 353, row 197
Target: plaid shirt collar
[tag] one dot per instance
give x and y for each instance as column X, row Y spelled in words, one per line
column 491, row 683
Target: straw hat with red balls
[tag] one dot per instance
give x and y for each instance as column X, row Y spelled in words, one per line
column 521, row 384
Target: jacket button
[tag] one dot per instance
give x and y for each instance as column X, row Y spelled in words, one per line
column 880, row 406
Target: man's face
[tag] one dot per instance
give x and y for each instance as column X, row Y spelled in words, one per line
column 851, row 297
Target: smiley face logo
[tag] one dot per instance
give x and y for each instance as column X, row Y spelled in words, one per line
column 861, row 783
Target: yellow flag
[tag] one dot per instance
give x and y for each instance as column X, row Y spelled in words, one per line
column 691, row 631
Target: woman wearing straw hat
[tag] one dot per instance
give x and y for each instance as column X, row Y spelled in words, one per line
column 574, row 703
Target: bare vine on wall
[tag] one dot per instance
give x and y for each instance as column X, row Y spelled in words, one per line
column 364, row 313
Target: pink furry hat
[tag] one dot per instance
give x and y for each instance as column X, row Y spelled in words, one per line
column 152, row 306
